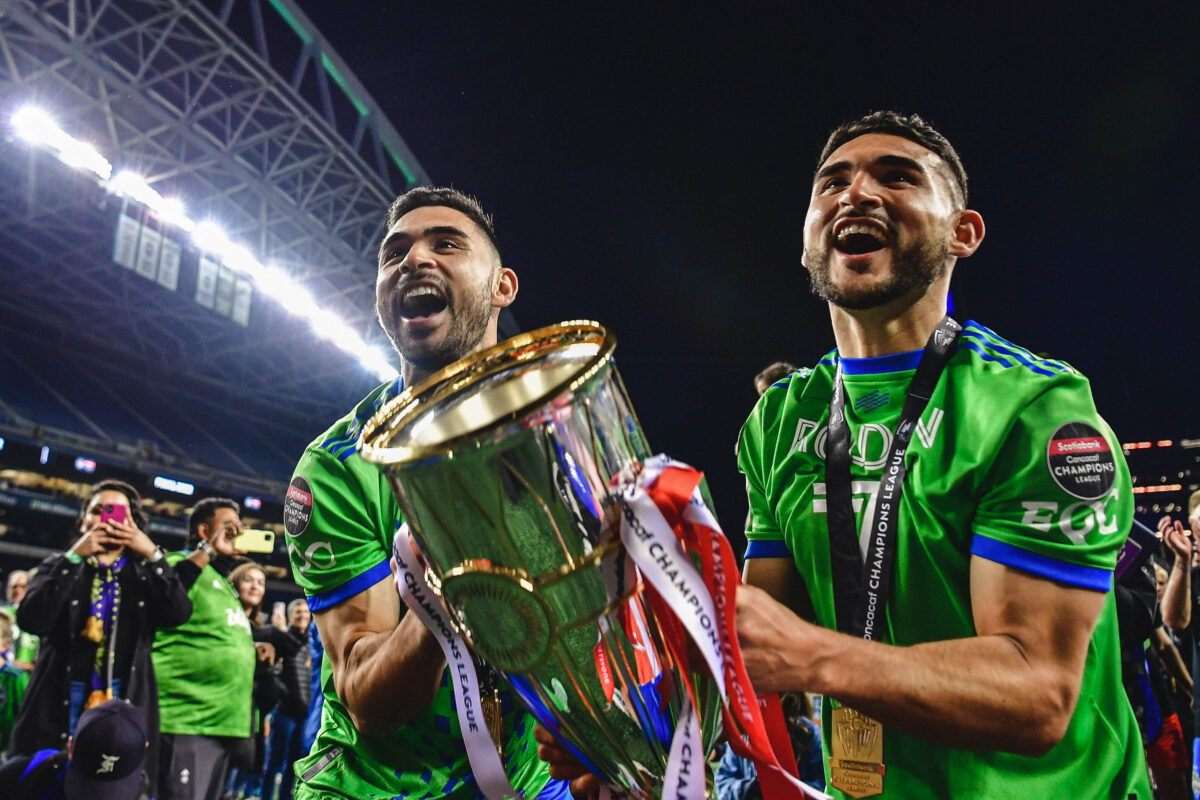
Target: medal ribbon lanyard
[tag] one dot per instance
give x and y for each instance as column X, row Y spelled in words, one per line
column 860, row 590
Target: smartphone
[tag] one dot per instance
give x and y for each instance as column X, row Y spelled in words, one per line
column 113, row 513
column 280, row 610
column 255, row 541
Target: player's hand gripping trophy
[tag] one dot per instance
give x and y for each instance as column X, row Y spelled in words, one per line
column 538, row 539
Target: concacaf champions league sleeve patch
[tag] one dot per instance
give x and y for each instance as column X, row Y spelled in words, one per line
column 297, row 507
column 1081, row 461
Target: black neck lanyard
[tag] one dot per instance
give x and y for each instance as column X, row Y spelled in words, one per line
column 860, row 590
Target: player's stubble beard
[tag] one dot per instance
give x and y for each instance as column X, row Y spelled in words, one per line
column 914, row 267
column 467, row 329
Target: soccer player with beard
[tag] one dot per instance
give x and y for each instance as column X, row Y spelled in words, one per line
column 981, row 486
column 389, row 728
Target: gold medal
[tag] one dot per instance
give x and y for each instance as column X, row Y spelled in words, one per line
column 856, row 753
column 491, row 718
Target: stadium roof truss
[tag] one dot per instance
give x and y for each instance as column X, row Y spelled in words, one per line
column 243, row 111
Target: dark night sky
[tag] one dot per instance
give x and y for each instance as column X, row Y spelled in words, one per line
column 649, row 167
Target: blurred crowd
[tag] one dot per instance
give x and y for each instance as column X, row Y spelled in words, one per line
column 179, row 653
column 215, row 695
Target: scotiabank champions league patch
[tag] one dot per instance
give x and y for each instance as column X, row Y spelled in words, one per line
column 297, row 506
column 1080, row 461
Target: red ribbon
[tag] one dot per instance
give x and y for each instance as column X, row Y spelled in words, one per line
column 754, row 725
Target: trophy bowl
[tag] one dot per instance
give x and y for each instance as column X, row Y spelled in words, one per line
column 506, row 465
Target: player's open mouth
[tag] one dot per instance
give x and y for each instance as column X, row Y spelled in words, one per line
column 422, row 301
column 859, row 237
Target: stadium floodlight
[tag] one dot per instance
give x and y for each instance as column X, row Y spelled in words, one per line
column 128, row 184
column 376, row 362
column 240, row 259
column 297, row 300
column 207, row 236
column 171, row 211
column 273, row 282
column 330, row 326
column 83, row 156
column 36, row 126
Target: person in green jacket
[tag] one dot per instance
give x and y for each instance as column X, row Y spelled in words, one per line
column 205, row 667
column 13, row 681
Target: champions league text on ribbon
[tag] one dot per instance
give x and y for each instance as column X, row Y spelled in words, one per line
column 663, row 561
column 661, row 557
column 886, row 501
column 481, row 750
column 463, row 666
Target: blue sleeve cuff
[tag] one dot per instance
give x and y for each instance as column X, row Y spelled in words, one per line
column 1040, row 565
column 555, row 790
column 359, row 583
column 767, row 548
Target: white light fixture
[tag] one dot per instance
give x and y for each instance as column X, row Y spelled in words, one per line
column 36, row 126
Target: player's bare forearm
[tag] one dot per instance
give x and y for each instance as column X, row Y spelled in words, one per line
column 385, row 672
column 1013, row 687
column 1176, row 603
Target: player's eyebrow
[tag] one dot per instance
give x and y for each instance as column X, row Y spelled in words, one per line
column 444, row 230
column 832, row 169
column 890, row 160
column 900, row 161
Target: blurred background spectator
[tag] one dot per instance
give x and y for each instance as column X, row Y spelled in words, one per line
column 96, row 608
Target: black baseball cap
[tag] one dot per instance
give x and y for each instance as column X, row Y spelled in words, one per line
column 107, row 753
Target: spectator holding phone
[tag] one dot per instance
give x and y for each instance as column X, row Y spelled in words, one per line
column 205, row 665
column 96, row 608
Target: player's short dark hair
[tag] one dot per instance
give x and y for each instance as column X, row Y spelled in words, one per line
column 772, row 374
column 203, row 513
column 908, row 126
column 446, row 196
column 131, row 494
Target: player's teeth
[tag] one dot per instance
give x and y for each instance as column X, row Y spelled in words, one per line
column 866, row 230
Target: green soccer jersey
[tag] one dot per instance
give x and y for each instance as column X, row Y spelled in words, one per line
column 1010, row 462
column 205, row 667
column 13, row 681
column 340, row 517
column 25, row 645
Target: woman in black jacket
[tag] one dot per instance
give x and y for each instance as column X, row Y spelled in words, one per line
column 97, row 607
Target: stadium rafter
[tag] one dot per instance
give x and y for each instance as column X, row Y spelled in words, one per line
column 242, row 110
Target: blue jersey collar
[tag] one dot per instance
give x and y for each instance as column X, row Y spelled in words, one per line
column 877, row 365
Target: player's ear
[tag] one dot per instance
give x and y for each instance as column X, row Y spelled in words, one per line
column 968, row 233
column 504, row 289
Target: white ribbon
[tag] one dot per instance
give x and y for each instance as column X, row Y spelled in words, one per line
column 660, row 556
column 684, row 778
column 481, row 750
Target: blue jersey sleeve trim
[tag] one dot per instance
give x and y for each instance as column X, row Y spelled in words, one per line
column 767, row 548
column 877, row 365
column 359, row 583
column 1042, row 566
column 555, row 790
